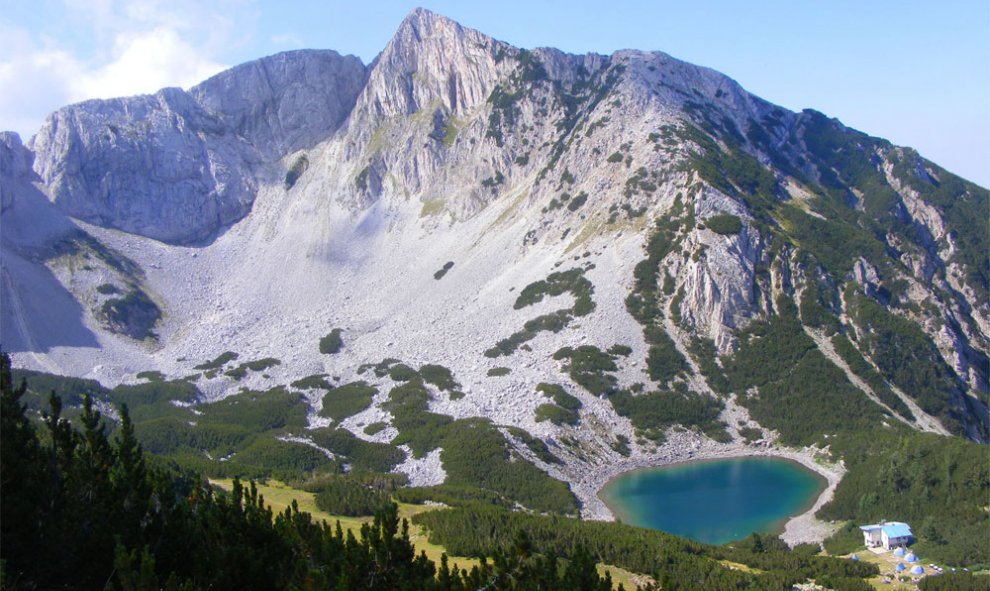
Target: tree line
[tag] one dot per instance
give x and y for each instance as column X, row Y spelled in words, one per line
column 82, row 510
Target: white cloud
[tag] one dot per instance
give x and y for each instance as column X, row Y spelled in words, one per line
column 116, row 48
column 35, row 80
column 145, row 62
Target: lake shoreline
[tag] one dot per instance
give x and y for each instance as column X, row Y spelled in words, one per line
column 612, row 496
column 688, row 447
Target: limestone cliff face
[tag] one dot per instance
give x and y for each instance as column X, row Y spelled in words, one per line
column 15, row 163
column 285, row 102
column 155, row 165
column 432, row 61
column 178, row 166
column 417, row 124
column 719, row 287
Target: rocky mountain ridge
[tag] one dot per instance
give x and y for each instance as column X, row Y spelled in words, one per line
column 178, row 166
column 744, row 255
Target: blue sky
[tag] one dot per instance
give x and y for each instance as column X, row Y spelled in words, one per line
column 917, row 73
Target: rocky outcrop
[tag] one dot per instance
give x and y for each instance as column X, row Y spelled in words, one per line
column 718, row 286
column 433, row 62
column 156, row 165
column 284, row 102
column 29, row 220
column 15, row 163
column 418, row 125
column 178, row 166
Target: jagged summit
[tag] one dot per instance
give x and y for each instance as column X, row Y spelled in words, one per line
column 420, row 18
column 432, row 60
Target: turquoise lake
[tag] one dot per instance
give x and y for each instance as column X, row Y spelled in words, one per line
column 715, row 501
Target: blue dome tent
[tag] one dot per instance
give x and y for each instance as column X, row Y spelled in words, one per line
column 854, row 557
column 917, row 570
column 899, row 552
column 912, row 557
column 900, row 567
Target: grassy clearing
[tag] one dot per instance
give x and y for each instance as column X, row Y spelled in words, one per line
column 888, row 579
column 620, row 576
column 741, row 567
column 279, row 496
column 886, row 564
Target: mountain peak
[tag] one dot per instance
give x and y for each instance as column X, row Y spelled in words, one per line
column 422, row 26
column 423, row 16
column 432, row 60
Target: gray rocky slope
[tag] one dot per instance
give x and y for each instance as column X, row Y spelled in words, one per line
column 307, row 191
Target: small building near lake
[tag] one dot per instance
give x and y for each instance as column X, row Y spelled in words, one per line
column 887, row 535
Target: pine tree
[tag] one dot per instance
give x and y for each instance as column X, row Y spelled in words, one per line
column 132, row 488
column 581, row 573
column 21, row 478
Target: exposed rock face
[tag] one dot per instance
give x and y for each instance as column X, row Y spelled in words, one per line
column 432, row 62
column 28, row 220
column 15, row 163
column 15, row 159
column 285, row 102
column 178, row 166
column 428, row 83
column 155, row 165
column 720, row 292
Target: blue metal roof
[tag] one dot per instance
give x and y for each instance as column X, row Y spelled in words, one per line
column 896, row 530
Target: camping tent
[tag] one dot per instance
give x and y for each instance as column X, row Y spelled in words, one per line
column 912, row 557
column 899, row 552
column 900, row 567
column 854, row 557
column 917, row 570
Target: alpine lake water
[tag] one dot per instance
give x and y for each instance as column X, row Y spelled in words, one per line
column 714, row 501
